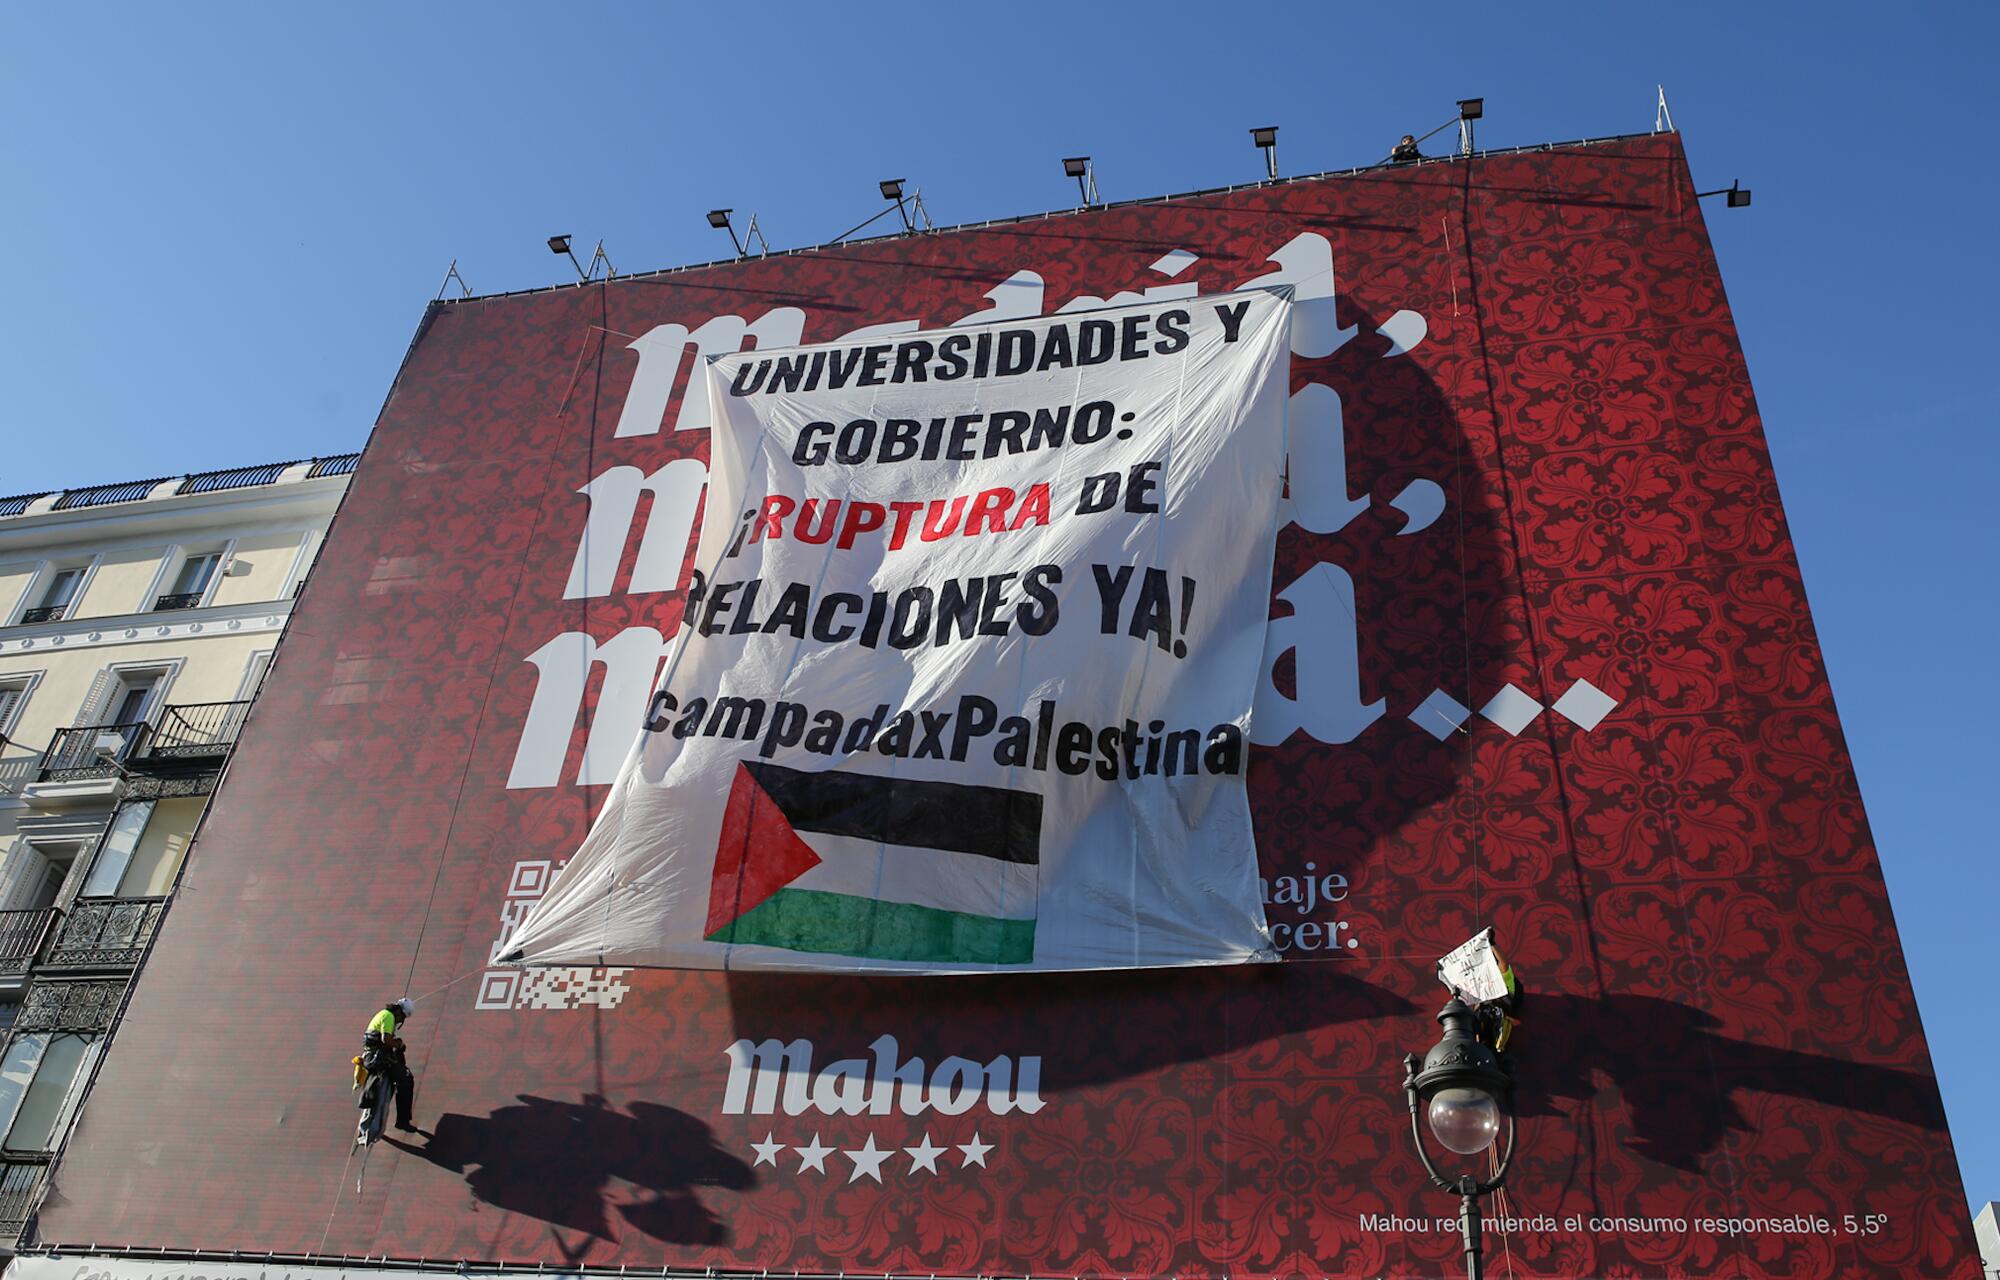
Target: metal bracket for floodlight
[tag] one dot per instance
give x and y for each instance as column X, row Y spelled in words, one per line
column 719, row 219
column 868, row 221
column 1266, row 140
column 559, row 245
column 451, row 274
column 1739, row 195
column 1663, row 119
column 892, row 189
column 1080, row 168
column 1469, row 109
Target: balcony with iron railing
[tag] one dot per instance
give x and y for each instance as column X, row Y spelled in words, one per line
column 103, row 933
column 91, row 751
column 180, row 600
column 187, row 734
column 22, row 934
column 196, row 730
column 21, row 1175
column 44, row 613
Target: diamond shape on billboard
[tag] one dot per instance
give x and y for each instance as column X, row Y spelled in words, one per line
column 1585, row 704
column 1511, row 709
column 1440, row 715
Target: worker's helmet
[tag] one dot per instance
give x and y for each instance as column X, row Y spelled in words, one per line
column 403, row 1007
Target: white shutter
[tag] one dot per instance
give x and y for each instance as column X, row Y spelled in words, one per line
column 96, row 702
column 11, row 698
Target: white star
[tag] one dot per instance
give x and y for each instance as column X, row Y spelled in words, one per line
column 767, row 1151
column 814, row 1155
column 975, row 1152
column 868, row 1160
column 924, row 1155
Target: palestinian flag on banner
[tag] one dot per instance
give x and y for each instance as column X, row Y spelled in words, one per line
column 895, row 869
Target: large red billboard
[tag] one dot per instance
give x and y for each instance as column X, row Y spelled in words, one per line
column 1541, row 660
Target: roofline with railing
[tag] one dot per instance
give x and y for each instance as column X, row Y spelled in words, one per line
column 50, row 501
column 1383, row 166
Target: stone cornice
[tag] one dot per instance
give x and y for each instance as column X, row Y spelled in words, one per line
column 248, row 618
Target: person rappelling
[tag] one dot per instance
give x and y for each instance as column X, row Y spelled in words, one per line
column 383, row 1068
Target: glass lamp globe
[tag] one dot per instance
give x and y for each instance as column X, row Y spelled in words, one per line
column 1465, row 1120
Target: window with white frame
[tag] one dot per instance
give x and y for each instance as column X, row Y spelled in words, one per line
column 124, row 695
column 132, row 698
column 55, row 593
column 189, row 585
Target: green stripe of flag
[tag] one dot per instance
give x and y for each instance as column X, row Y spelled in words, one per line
column 842, row 924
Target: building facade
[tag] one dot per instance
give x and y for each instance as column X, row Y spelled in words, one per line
column 1986, row 1229
column 136, row 622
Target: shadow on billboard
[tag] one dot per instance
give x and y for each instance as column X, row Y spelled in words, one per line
column 573, row 1151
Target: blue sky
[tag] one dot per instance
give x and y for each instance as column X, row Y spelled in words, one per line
column 222, row 224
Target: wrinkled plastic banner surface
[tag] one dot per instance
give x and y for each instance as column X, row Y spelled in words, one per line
column 966, row 679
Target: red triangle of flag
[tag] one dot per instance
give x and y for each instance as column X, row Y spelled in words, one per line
column 757, row 854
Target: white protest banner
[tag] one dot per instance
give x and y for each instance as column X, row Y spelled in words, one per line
column 965, row 677
column 1474, row 972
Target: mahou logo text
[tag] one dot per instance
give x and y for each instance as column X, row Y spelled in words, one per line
column 768, row 1074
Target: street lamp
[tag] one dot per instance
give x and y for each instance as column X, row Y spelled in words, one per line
column 1462, row 1089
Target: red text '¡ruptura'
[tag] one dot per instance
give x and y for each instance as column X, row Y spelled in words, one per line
column 841, row 521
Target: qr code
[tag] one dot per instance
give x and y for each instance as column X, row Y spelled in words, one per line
column 578, row 987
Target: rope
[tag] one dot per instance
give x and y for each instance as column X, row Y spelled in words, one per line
column 486, row 701
column 338, row 1192
column 458, row 797
column 454, row 982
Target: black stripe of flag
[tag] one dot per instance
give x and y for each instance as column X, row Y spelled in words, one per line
column 989, row 822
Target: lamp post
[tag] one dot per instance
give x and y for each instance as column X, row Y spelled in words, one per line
column 1464, row 1089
